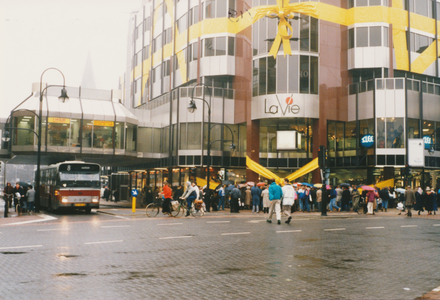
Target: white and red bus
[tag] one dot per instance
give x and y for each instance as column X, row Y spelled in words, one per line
column 70, row 184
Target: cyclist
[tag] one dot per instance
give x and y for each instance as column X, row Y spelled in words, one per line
column 8, row 193
column 190, row 194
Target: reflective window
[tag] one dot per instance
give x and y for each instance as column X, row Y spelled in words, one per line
column 209, row 9
column 262, row 44
column 314, row 75
column 375, row 36
column 331, row 136
column 395, row 133
column 119, row 135
column 413, row 129
column 231, row 46
column 75, row 126
column 103, row 134
column 209, row 47
column 23, row 136
column 362, row 37
column 220, row 46
column 304, row 74
column 350, row 136
column 262, row 77
column 293, row 74
column 194, row 136
column 271, row 75
column 304, row 33
column 221, row 9
column 255, row 78
column 351, row 38
column 131, row 137
column 87, row 134
column 282, row 74
column 314, row 35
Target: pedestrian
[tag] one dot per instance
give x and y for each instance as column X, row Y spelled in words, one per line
column 319, row 199
column 221, row 195
column 435, row 201
column 371, row 196
column 314, row 198
column 275, row 195
column 235, row 198
column 392, row 196
column 228, row 191
column 289, row 196
column 18, row 194
column 300, row 194
column 149, row 196
column 8, row 194
column 189, row 195
column 355, row 197
column 106, row 193
column 207, row 198
column 266, row 201
column 167, row 195
column 428, row 199
column 332, row 196
column 410, row 199
column 247, row 197
column 338, row 195
column 345, row 199
column 116, row 195
column 30, row 194
column 256, row 195
column 419, row 200
column 178, row 193
column 384, row 194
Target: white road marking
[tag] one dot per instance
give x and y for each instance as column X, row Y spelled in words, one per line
column 334, row 229
column 121, row 217
column 289, row 231
column 44, row 218
column 435, row 224
column 408, row 226
column 20, row 247
column 374, row 227
column 169, row 224
column 235, row 233
column 215, row 222
column 256, row 221
column 56, row 229
column 104, row 242
column 115, row 226
column 175, row 237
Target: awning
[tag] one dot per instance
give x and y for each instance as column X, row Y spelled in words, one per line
column 202, row 182
column 304, row 170
column 385, row 183
column 259, row 169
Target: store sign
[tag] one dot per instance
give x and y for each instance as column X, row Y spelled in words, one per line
column 416, row 152
column 367, row 141
column 285, row 109
column 428, row 141
column 59, row 120
column 104, row 123
column 288, row 140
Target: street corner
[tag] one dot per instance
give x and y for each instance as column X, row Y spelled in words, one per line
column 14, row 219
column 434, row 294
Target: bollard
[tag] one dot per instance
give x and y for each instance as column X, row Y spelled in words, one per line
column 133, row 206
column 6, row 208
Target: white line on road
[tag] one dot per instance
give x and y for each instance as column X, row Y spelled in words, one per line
column 121, row 217
column 104, row 242
column 169, row 224
column 289, row 231
column 235, row 233
column 44, row 218
column 334, row 229
column 214, row 222
column 56, row 229
column 435, row 224
column 408, row 226
column 256, row 221
column 115, row 226
column 374, row 227
column 20, row 247
column 175, row 237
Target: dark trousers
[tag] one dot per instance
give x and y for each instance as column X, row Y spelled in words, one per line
column 166, row 205
column 234, row 204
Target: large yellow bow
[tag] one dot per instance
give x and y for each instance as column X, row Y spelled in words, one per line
column 284, row 11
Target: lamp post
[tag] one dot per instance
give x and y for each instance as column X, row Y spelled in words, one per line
column 63, row 98
column 192, row 108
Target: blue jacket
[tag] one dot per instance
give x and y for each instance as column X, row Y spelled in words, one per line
column 275, row 192
column 256, row 193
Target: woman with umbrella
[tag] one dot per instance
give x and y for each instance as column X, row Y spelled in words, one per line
column 371, row 196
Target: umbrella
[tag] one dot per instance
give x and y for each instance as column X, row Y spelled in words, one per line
column 250, row 183
column 345, row 184
column 307, row 184
column 261, row 184
column 318, row 185
column 368, row 188
column 400, row 190
column 23, row 184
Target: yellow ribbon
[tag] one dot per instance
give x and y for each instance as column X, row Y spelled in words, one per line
column 284, row 11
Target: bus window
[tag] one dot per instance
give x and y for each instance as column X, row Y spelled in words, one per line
column 79, row 180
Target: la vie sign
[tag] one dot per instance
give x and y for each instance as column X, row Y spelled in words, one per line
column 284, row 108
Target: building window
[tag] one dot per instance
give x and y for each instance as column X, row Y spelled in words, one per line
column 351, row 38
column 220, row 46
column 231, row 46
column 304, row 74
column 262, row 76
column 362, row 37
column 209, row 47
column 375, row 36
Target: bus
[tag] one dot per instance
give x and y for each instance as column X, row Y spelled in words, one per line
column 70, row 184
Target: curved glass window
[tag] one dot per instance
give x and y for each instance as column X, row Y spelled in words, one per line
column 131, row 137
column 22, row 135
column 58, row 130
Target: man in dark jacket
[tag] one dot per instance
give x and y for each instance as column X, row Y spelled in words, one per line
column 228, row 191
column 106, row 193
column 410, row 199
column 385, row 196
column 235, row 195
column 20, row 190
column 345, row 199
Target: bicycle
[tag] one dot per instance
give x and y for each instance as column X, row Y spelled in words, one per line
column 179, row 209
column 153, row 209
column 197, row 209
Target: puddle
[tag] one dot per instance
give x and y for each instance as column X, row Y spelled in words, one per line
column 69, row 274
column 135, row 275
column 67, row 255
column 9, row 252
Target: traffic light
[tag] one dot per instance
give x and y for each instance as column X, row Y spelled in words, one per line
column 406, row 171
column 322, row 157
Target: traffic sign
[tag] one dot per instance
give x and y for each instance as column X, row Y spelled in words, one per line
column 134, row 192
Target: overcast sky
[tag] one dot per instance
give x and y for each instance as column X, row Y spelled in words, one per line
column 39, row 34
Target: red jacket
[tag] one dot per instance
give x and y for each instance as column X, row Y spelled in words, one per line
column 167, row 192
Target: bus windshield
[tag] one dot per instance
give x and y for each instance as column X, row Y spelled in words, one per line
column 79, row 179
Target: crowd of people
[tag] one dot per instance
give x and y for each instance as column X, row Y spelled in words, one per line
column 24, row 196
column 293, row 197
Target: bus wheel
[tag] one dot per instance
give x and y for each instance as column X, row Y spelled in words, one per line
column 88, row 210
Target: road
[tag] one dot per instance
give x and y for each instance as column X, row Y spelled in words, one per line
column 219, row 256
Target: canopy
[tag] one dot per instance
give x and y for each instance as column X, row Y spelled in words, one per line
column 304, row 170
column 385, row 183
column 202, row 182
column 259, row 169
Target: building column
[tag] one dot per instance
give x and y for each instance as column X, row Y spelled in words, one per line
column 253, row 147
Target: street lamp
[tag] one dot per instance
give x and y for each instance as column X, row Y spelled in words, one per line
column 63, row 98
column 192, row 108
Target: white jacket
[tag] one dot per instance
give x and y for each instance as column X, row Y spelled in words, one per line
column 289, row 194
